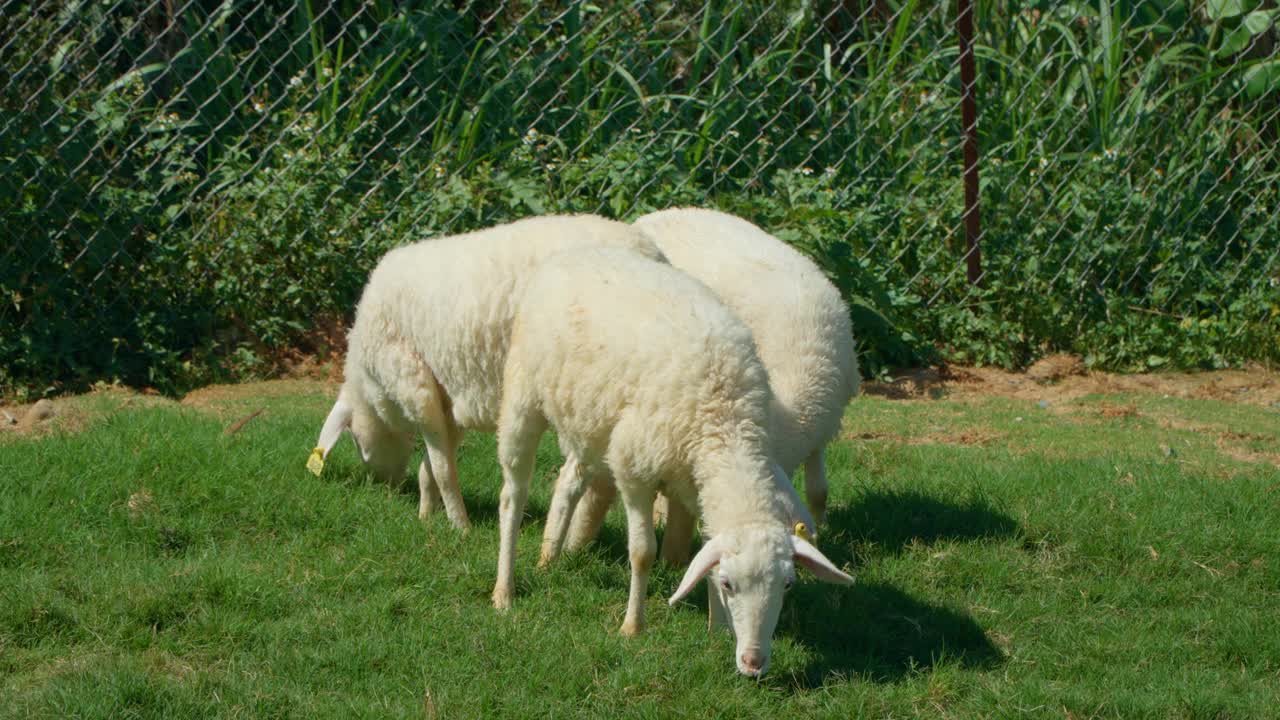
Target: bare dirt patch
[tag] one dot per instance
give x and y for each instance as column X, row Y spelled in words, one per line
column 1244, row 454
column 972, row 437
column 229, row 401
column 1111, row 410
column 71, row 413
column 1054, row 368
column 1232, row 443
column 1062, row 378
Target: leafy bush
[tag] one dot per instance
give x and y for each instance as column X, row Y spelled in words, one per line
column 189, row 196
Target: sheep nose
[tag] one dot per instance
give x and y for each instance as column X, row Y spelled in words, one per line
column 752, row 662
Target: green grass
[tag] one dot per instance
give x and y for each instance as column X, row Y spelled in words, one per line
column 1012, row 560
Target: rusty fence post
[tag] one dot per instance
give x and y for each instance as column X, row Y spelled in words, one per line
column 969, row 117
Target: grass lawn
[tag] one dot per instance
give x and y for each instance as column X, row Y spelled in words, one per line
column 1111, row 556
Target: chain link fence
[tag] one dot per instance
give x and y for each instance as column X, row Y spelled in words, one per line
column 190, row 188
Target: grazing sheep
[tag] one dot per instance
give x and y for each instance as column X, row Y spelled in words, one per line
column 426, row 352
column 802, row 334
column 648, row 378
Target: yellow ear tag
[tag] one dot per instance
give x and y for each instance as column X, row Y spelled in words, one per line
column 802, row 532
column 315, row 463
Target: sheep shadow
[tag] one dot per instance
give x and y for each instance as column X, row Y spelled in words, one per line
column 874, row 629
column 876, row 523
column 889, row 520
column 878, row 632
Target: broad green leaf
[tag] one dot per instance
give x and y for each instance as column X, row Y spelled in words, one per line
column 1234, row 42
column 1262, row 78
column 1260, row 21
column 1221, row 9
column 55, row 63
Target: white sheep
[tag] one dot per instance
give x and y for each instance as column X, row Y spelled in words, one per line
column 648, row 378
column 426, row 352
column 802, row 334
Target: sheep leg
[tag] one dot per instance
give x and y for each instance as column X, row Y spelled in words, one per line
column 569, row 488
column 643, row 547
column 428, row 493
column 815, row 485
column 443, row 453
column 517, row 447
column 592, row 508
column 677, row 538
column 660, row 510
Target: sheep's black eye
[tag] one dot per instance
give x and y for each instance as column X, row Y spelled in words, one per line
column 786, row 585
column 728, row 586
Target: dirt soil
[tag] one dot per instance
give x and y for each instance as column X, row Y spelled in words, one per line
column 1055, row 379
column 226, row 400
column 72, row 413
column 1061, row 378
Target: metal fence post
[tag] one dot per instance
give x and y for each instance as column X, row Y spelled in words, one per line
column 969, row 118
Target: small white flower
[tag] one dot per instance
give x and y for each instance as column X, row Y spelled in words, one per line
column 295, row 81
column 438, row 170
column 733, row 133
column 259, row 107
column 806, row 171
column 1110, row 153
column 551, row 166
column 829, row 171
column 1044, row 162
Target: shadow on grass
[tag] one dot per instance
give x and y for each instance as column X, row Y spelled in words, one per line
column 892, row 520
column 884, row 520
column 873, row 629
column 878, row 632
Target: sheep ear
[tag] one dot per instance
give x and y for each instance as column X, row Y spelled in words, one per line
column 810, row 557
column 701, row 564
column 796, row 509
column 339, row 419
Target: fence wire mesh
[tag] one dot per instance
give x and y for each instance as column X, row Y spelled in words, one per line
column 194, row 185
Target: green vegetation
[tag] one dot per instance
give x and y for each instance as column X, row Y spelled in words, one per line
column 1100, row 558
column 190, row 196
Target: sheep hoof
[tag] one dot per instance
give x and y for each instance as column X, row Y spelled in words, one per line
column 501, row 599
column 632, row 628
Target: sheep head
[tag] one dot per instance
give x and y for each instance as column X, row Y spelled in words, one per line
column 384, row 450
column 750, row 569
